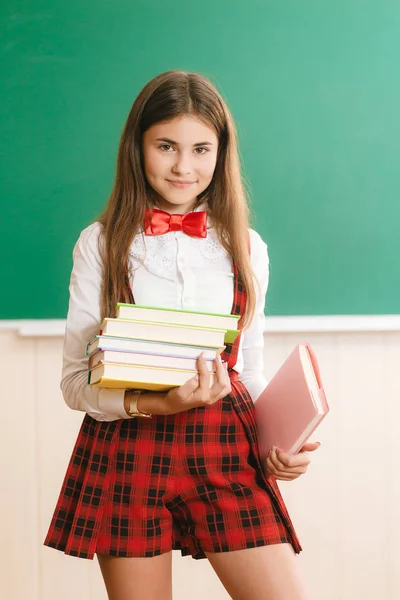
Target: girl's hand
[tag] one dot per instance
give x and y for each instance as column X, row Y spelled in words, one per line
column 197, row 392
column 280, row 465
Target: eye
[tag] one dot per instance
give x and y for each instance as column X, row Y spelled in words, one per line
column 201, row 148
column 165, row 146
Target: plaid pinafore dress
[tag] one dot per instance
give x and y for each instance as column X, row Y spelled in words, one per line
column 191, row 481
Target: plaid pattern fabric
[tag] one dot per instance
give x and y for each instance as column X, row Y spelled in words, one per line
column 191, row 481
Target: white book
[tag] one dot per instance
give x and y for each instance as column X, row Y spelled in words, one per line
column 108, row 342
column 147, row 360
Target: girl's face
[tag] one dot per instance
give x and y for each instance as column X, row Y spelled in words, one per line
column 183, row 150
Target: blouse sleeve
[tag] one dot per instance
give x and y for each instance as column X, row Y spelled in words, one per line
column 252, row 374
column 83, row 323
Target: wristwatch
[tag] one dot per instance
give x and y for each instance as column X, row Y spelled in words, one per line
column 133, row 410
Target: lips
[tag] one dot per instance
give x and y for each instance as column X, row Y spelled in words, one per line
column 180, row 184
column 178, row 181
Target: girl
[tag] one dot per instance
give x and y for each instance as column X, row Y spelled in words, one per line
column 152, row 472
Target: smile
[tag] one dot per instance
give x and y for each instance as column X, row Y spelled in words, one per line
column 180, row 184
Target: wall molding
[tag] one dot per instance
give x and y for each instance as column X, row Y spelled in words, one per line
column 290, row 324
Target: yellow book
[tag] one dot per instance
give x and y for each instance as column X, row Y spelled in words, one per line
column 123, row 376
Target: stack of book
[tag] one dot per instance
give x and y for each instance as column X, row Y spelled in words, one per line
column 155, row 348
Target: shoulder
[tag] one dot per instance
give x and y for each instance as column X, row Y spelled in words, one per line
column 87, row 245
column 258, row 249
column 90, row 235
column 259, row 260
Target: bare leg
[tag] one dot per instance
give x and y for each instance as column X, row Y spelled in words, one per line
column 137, row 578
column 262, row 573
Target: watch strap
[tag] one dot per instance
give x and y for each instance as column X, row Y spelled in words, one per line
column 133, row 405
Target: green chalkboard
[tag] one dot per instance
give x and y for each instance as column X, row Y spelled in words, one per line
column 315, row 90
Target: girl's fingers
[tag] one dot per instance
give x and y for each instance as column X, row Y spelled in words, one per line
column 281, row 467
column 278, row 474
column 201, row 362
column 218, row 366
column 276, row 463
column 310, row 447
column 290, row 474
column 284, row 467
column 224, row 373
column 187, row 388
column 282, row 475
column 204, row 376
column 297, row 460
column 279, row 471
column 227, row 374
column 220, row 370
column 286, row 478
column 221, row 380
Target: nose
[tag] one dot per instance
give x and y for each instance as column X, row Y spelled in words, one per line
column 182, row 164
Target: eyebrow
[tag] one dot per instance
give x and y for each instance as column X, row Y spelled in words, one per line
column 177, row 144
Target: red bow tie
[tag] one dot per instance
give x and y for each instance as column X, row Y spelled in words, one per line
column 192, row 223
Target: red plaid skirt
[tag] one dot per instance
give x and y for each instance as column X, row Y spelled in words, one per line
column 191, row 481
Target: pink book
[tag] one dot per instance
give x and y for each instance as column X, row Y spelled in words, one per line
column 292, row 405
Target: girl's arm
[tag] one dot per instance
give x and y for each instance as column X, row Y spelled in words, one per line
column 252, row 374
column 83, row 323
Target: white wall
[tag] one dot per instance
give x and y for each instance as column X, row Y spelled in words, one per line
column 345, row 509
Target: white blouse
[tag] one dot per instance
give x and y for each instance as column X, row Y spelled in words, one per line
column 172, row 270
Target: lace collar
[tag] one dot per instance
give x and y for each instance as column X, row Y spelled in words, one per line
column 158, row 253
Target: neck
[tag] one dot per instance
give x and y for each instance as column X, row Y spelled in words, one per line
column 179, row 210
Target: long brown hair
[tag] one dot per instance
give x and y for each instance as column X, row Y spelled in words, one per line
column 169, row 95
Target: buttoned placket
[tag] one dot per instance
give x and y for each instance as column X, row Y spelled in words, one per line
column 185, row 291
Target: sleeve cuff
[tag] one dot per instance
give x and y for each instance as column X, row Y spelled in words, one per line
column 111, row 403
